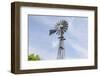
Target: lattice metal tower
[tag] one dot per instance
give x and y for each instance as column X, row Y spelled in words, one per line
column 60, row 28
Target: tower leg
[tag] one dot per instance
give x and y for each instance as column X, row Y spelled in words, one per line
column 61, row 50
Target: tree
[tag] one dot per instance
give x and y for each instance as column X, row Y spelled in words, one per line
column 33, row 57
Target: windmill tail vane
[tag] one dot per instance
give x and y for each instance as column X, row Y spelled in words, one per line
column 60, row 29
column 52, row 31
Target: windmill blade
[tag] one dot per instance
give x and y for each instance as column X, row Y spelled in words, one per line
column 52, row 31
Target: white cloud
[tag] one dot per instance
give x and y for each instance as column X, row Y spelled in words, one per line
column 80, row 50
column 33, row 50
column 55, row 44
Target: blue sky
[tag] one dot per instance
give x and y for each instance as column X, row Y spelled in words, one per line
column 76, row 43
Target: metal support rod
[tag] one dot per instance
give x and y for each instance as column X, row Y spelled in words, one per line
column 61, row 50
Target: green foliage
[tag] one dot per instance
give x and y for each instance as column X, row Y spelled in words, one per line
column 33, row 57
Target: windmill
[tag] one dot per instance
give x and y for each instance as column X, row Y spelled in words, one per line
column 60, row 28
